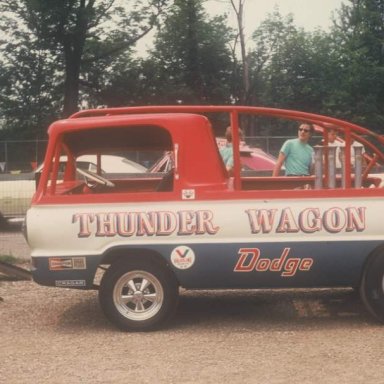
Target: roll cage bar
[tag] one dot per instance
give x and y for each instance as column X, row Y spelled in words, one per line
column 351, row 131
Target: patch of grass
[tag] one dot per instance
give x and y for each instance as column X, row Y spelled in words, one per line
column 9, row 259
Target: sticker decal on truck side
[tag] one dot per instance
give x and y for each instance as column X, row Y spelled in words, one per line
column 183, row 257
column 70, row 283
column 66, row 263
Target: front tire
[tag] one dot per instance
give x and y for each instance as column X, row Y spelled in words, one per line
column 138, row 295
column 372, row 285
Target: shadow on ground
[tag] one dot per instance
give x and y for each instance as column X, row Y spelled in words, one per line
column 264, row 310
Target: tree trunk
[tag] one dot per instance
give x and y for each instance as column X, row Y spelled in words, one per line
column 73, row 45
column 71, row 86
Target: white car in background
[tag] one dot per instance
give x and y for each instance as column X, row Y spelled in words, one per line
column 109, row 164
column 16, row 191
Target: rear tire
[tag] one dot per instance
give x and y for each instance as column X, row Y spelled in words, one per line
column 372, row 285
column 138, row 295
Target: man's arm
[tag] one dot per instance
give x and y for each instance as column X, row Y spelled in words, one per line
column 279, row 164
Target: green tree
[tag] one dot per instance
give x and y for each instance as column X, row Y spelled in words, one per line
column 192, row 56
column 291, row 68
column 29, row 100
column 72, row 30
column 359, row 36
column 267, row 71
column 128, row 81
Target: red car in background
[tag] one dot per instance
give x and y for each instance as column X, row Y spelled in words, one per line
column 255, row 159
column 252, row 159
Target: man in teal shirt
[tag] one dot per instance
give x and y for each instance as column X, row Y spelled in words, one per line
column 296, row 154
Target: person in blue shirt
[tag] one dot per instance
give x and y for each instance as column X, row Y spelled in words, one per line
column 296, row 154
column 226, row 152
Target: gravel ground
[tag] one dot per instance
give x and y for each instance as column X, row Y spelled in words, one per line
column 51, row 335
column 13, row 243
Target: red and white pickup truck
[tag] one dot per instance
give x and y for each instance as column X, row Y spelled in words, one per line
column 138, row 238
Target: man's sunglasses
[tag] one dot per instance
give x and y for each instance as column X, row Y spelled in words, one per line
column 304, row 130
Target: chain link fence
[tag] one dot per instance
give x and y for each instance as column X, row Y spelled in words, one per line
column 21, row 156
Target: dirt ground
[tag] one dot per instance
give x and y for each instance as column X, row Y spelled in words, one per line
column 52, row 335
column 13, row 243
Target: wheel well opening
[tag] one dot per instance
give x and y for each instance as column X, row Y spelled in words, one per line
column 120, row 254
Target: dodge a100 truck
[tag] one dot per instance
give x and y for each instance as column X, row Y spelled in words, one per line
column 139, row 238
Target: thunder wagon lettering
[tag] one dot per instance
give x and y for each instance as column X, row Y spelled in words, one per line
column 309, row 220
column 154, row 223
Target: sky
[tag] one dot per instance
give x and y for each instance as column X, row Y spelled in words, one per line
column 308, row 14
